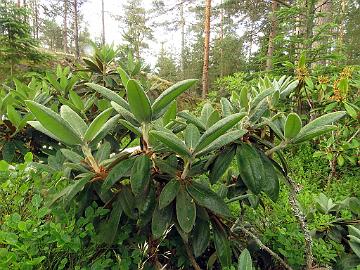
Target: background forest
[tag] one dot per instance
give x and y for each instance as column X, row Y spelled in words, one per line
column 204, row 134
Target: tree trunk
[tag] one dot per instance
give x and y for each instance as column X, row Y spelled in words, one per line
column 76, row 30
column 65, row 30
column 221, row 40
column 205, row 75
column 342, row 26
column 103, row 22
column 272, row 34
column 36, row 20
column 182, row 25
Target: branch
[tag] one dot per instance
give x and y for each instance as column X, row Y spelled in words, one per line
column 324, row 3
column 191, row 257
column 283, row 3
column 237, row 226
column 301, row 219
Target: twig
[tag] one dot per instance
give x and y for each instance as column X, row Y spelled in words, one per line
column 238, row 198
column 259, row 243
column 301, row 219
column 191, row 257
column 282, row 145
column 354, row 135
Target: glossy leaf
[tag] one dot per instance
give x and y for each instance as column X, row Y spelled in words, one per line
column 120, row 170
column 97, row 124
column 292, row 126
column 138, row 101
column 318, row 123
column 205, row 197
column 72, row 156
column 161, row 220
column 169, row 193
column 245, row 261
column 140, row 174
column 109, row 94
column 54, row 123
column 222, row 245
column 192, row 136
column 170, row 113
column 170, row 94
column 221, row 164
column 250, row 167
column 74, row 120
column 185, row 210
column 192, row 119
column 217, row 130
column 313, row 133
column 201, row 237
column 172, row 142
column 221, row 141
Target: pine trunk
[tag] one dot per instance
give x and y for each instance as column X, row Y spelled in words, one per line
column 272, row 34
column 103, row 22
column 205, row 75
column 65, row 30
column 76, row 30
column 182, row 25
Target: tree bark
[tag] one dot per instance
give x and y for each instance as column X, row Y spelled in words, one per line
column 182, row 25
column 221, row 40
column 103, row 22
column 76, row 30
column 205, row 75
column 65, row 30
column 272, row 34
column 36, row 20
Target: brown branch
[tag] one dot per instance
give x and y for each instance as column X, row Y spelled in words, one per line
column 261, row 245
column 191, row 257
column 301, row 219
column 283, row 3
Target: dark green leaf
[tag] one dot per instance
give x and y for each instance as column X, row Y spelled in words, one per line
column 292, row 126
column 97, row 124
column 120, row 170
column 74, row 120
column 161, row 220
column 185, row 210
column 251, row 167
column 140, row 174
column 245, row 262
column 108, row 231
column 111, row 95
column 222, row 245
column 138, row 101
column 169, row 193
column 221, row 164
column 192, row 136
column 54, row 123
column 217, row 130
column 201, row 237
column 170, row 140
column 8, row 151
column 205, row 197
column 169, row 95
